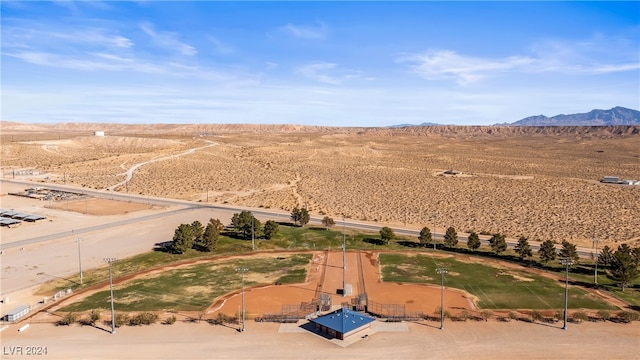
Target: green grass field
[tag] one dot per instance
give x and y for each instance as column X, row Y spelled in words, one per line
column 495, row 288
column 193, row 288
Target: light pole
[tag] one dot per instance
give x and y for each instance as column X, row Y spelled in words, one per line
column 113, row 317
column 344, row 258
column 566, row 262
column 435, row 216
column 79, row 259
column 595, row 276
column 442, row 271
column 242, row 271
column 253, row 241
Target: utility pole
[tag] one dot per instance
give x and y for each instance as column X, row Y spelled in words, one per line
column 242, row 271
column 113, row 316
column 435, row 216
column 442, row 272
column 595, row 276
column 253, row 241
column 79, row 259
column 344, row 258
column 566, row 262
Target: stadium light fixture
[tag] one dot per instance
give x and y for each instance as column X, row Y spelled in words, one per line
column 113, row 318
column 442, row 272
column 566, row 262
column 79, row 240
column 242, row 271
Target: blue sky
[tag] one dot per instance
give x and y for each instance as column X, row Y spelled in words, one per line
column 316, row 63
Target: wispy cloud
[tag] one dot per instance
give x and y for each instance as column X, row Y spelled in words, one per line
column 168, row 40
column 594, row 56
column 306, row 32
column 447, row 64
column 328, row 73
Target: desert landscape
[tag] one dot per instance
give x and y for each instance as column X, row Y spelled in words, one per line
column 540, row 182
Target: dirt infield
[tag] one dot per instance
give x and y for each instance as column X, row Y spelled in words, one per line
column 362, row 274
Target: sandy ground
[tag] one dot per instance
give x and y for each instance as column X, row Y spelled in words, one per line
column 469, row 340
column 547, row 181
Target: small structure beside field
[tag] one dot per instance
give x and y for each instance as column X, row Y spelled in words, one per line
column 98, row 133
column 342, row 323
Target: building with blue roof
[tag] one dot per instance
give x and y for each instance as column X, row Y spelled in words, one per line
column 342, row 323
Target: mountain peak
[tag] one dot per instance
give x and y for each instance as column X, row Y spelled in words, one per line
column 596, row 117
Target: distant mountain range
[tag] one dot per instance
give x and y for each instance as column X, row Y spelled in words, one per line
column 423, row 124
column 615, row 116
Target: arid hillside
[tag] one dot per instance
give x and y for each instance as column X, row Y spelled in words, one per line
column 540, row 182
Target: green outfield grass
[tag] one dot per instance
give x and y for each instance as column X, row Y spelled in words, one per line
column 194, row 287
column 495, row 288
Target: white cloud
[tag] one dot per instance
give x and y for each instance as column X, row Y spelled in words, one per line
column 327, row 73
column 168, row 40
column 597, row 55
column 447, row 64
column 306, row 32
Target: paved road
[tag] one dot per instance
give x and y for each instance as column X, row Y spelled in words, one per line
column 190, row 205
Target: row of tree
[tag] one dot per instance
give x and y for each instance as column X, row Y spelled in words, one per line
column 195, row 236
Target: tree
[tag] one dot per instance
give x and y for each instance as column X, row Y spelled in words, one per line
column 498, row 243
column 304, row 217
column 211, row 235
column 473, row 242
column 635, row 253
column 425, row 237
column 197, row 231
column 300, row 216
column 547, row 251
column 523, row 249
column 270, row 229
column 182, row 239
column 605, row 257
column 387, row 234
column 451, row 237
column 328, row 222
column 246, row 223
column 569, row 251
column 624, row 268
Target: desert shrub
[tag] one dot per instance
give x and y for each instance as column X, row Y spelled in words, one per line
column 536, row 315
column 558, row 315
column 513, row 315
column 486, row 314
column 145, row 318
column 121, row 319
column 224, row 319
column 604, row 315
column 170, row 320
column 627, row 316
column 464, row 315
column 68, row 319
column 579, row 316
column 94, row 316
